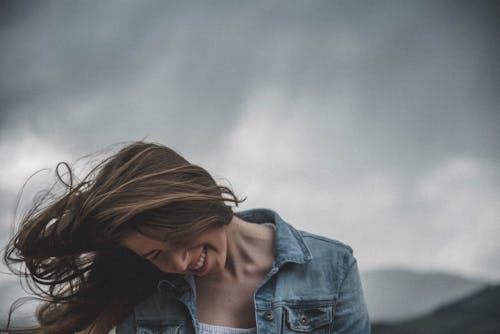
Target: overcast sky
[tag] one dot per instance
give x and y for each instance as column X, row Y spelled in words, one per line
column 373, row 122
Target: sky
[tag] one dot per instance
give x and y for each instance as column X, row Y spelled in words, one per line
column 375, row 123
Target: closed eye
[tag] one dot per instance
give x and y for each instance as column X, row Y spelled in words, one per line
column 154, row 253
column 154, row 257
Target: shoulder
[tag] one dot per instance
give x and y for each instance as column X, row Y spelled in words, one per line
column 326, row 266
column 318, row 241
column 318, row 245
column 328, row 252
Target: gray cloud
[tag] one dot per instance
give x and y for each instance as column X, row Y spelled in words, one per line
column 417, row 72
column 344, row 102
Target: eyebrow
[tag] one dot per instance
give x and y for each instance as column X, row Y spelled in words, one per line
column 149, row 253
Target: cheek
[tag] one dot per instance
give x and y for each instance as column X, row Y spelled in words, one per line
column 218, row 255
column 165, row 267
column 163, row 263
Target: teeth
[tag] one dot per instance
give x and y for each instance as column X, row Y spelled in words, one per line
column 201, row 261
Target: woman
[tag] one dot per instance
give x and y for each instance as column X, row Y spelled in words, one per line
column 146, row 242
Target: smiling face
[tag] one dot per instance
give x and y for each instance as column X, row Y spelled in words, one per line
column 206, row 253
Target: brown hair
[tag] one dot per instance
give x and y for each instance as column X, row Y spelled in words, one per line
column 71, row 245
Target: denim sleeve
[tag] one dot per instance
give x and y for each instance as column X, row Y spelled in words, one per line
column 127, row 326
column 351, row 314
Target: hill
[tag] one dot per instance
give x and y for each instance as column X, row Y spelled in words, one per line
column 478, row 313
column 396, row 294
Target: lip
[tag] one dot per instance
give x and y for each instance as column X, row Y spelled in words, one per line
column 200, row 270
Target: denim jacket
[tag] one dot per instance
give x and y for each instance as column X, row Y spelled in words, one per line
column 313, row 287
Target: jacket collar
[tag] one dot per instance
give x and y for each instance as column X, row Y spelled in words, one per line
column 288, row 243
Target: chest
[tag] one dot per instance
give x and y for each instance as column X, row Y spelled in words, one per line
column 227, row 304
column 290, row 302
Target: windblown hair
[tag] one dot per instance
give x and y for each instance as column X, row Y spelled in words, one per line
column 71, row 249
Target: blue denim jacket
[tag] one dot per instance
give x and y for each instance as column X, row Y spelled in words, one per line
column 313, row 287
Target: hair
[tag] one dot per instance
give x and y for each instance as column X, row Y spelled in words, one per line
column 70, row 246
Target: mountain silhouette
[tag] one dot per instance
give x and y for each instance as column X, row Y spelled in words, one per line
column 397, row 294
column 478, row 313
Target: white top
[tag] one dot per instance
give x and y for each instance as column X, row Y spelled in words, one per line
column 214, row 329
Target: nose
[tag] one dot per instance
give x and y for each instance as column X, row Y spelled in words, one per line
column 181, row 260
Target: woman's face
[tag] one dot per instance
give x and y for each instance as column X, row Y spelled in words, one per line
column 204, row 254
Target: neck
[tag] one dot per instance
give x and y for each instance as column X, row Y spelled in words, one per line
column 249, row 250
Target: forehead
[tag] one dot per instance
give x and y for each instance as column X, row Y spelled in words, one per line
column 141, row 244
